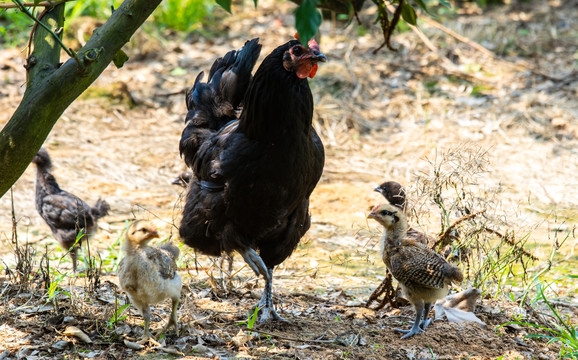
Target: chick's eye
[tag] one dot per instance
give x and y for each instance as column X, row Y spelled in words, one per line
column 383, row 212
column 297, row 51
column 144, row 230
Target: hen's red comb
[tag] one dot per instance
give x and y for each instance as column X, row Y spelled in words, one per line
column 311, row 44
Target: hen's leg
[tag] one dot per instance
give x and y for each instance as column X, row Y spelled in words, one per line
column 415, row 329
column 266, row 306
column 256, row 263
column 425, row 322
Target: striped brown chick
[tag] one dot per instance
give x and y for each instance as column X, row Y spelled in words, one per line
column 424, row 275
column 149, row 274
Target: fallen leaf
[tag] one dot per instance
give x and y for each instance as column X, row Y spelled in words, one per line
column 241, row 338
column 76, row 332
column 133, row 345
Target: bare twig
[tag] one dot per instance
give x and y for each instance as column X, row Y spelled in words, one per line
column 446, row 234
column 459, row 37
column 387, row 26
column 49, row 4
column 389, row 294
column 69, row 51
column 292, row 339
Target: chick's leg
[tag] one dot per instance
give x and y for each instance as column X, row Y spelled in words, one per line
column 173, row 319
column 74, row 257
column 146, row 314
column 426, row 322
column 415, row 329
column 147, row 337
column 265, row 305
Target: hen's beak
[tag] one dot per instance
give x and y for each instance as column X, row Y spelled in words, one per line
column 318, row 56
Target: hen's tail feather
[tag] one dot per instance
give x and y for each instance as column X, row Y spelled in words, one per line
column 213, row 104
column 233, row 88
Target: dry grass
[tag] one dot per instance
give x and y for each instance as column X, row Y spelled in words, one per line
column 477, row 133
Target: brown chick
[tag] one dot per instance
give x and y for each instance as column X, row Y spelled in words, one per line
column 423, row 274
column 149, row 274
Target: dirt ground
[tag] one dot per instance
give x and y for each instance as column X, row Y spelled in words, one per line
column 381, row 116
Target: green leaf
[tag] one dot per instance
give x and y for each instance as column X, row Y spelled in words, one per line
column 445, row 3
column 119, row 58
column 408, row 14
column 422, row 5
column 253, row 318
column 255, row 2
column 226, row 4
column 307, row 20
column 36, row 2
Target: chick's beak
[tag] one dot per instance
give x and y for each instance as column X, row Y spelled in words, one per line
column 153, row 234
column 372, row 215
column 378, row 189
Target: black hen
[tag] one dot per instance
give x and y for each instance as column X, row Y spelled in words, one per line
column 67, row 216
column 252, row 176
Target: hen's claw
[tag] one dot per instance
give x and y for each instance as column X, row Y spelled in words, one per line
column 265, row 305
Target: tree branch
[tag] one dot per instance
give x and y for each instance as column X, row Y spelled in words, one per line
column 53, row 90
column 56, row 37
column 31, row 4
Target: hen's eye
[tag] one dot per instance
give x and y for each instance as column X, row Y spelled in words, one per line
column 297, row 51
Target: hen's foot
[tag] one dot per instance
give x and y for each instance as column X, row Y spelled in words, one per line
column 268, row 313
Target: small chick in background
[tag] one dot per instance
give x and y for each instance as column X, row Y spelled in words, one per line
column 423, row 274
column 395, row 193
column 68, row 217
column 183, row 179
column 149, row 274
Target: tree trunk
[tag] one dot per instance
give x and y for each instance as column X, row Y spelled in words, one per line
column 51, row 89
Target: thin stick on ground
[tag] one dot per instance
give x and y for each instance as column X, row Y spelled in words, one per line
column 459, row 37
column 280, row 337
